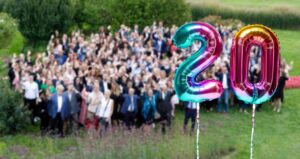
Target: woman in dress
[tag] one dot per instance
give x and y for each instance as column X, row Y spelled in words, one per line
column 279, row 96
column 94, row 104
column 105, row 111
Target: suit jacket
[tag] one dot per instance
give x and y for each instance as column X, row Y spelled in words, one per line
column 164, row 105
column 53, row 106
column 74, row 103
column 149, row 106
column 220, row 78
column 127, row 102
column 102, row 86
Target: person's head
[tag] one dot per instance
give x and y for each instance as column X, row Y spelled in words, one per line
column 107, row 93
column 31, row 78
column 131, row 91
column 96, row 87
column 60, row 89
column 224, row 69
column 164, row 88
column 70, row 87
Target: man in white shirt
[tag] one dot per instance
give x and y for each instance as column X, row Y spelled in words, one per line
column 31, row 96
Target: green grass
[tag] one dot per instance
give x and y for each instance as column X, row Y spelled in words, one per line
column 290, row 48
column 222, row 136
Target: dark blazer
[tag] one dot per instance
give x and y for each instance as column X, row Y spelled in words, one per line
column 102, row 86
column 164, row 105
column 53, row 106
column 74, row 103
column 127, row 102
column 220, row 78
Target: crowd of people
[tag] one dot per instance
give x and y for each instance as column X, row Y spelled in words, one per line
column 122, row 79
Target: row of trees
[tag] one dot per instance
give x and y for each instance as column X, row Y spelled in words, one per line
column 39, row 18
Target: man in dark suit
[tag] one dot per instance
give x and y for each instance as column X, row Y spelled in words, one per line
column 105, row 84
column 58, row 110
column 164, row 107
column 223, row 77
column 129, row 107
column 73, row 107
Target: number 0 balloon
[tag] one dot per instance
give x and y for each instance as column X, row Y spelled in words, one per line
column 186, row 87
column 254, row 35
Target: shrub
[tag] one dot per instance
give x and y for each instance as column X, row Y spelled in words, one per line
column 8, row 27
column 14, row 117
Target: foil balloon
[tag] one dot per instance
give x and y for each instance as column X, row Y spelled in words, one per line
column 266, row 40
column 185, row 85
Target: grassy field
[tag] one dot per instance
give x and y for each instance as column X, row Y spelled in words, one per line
column 290, row 48
column 253, row 4
column 222, row 136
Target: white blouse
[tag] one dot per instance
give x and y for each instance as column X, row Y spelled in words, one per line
column 105, row 108
column 94, row 101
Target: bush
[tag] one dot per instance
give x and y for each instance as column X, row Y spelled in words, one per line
column 144, row 12
column 39, row 18
column 282, row 18
column 8, row 28
column 90, row 14
column 14, row 117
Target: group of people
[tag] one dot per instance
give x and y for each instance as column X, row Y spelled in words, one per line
column 110, row 79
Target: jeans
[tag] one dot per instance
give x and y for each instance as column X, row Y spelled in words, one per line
column 225, row 97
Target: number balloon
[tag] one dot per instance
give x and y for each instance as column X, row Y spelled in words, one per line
column 254, row 35
column 185, row 85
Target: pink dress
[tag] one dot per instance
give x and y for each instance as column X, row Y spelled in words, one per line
column 83, row 111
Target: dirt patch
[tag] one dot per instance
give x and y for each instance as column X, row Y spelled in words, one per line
column 19, row 150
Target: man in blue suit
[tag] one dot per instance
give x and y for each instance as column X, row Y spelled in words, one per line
column 129, row 107
column 58, row 109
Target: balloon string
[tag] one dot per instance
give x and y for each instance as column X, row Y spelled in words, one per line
column 252, row 132
column 198, row 132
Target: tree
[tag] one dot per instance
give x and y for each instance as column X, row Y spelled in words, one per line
column 8, row 27
column 144, row 12
column 39, row 18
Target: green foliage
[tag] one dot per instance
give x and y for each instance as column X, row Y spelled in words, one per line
column 90, row 14
column 14, row 117
column 39, row 18
column 8, row 27
column 275, row 18
column 144, row 12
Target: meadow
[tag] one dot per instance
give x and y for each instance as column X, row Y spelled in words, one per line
column 253, row 4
